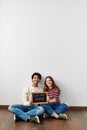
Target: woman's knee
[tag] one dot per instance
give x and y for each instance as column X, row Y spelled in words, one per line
column 65, row 105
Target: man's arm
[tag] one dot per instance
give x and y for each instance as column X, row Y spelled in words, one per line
column 26, row 96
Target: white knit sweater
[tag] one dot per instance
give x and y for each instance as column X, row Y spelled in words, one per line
column 27, row 93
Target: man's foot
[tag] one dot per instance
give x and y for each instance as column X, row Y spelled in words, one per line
column 45, row 115
column 35, row 119
column 62, row 117
column 16, row 118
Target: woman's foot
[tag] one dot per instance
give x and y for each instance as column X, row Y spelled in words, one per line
column 45, row 115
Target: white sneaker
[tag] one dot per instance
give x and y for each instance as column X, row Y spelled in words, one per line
column 45, row 115
column 35, row 119
column 16, row 118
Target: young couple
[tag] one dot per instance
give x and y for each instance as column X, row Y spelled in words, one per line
column 29, row 111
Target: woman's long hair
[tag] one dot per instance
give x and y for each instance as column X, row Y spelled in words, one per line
column 46, row 88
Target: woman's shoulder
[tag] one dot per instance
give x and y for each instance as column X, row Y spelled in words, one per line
column 56, row 89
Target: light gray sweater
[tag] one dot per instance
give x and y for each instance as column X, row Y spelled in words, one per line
column 27, row 93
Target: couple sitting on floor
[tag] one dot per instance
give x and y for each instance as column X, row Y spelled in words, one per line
column 29, row 111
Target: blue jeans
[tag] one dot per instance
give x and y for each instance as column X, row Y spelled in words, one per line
column 24, row 112
column 58, row 108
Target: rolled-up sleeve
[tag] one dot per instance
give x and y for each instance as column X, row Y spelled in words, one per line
column 26, row 95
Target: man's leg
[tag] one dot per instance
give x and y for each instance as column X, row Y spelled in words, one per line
column 24, row 112
column 35, row 110
column 20, row 111
column 34, row 113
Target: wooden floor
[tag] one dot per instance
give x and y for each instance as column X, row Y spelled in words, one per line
column 77, row 120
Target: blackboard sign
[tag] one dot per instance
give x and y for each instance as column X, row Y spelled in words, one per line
column 39, row 97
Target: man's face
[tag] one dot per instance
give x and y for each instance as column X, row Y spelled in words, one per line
column 35, row 79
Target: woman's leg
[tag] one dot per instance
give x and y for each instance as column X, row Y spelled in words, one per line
column 60, row 108
column 49, row 110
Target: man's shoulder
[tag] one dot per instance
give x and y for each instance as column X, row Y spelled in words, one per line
column 27, row 87
column 40, row 87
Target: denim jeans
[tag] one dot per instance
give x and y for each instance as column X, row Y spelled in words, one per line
column 58, row 108
column 24, row 112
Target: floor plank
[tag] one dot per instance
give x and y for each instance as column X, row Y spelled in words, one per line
column 77, row 120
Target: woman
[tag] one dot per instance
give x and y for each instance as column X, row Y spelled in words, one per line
column 54, row 108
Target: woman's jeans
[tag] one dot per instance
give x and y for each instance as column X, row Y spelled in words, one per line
column 24, row 112
column 58, row 108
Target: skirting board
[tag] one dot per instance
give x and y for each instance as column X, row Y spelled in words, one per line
column 70, row 108
column 78, row 108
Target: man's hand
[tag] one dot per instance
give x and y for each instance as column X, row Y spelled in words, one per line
column 30, row 101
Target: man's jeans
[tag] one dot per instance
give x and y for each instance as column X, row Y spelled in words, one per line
column 58, row 108
column 24, row 112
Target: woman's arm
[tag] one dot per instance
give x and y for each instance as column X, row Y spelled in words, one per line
column 52, row 100
column 56, row 93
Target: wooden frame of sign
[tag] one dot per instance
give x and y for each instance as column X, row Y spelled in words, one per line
column 39, row 97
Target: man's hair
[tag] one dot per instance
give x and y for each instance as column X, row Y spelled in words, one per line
column 36, row 73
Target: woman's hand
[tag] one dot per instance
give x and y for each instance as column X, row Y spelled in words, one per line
column 48, row 99
column 52, row 100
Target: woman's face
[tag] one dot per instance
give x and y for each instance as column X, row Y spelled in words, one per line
column 49, row 82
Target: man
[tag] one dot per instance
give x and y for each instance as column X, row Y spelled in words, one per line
column 29, row 111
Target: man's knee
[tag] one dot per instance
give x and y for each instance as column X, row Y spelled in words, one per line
column 9, row 108
column 40, row 110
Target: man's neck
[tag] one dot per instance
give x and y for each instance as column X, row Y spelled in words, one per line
column 34, row 85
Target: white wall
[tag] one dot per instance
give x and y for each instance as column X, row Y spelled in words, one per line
column 47, row 36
